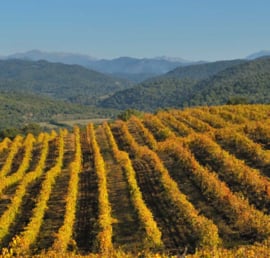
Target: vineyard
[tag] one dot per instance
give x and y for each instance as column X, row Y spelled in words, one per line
column 192, row 182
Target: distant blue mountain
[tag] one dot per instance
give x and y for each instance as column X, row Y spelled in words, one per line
column 259, row 54
column 134, row 69
column 55, row 57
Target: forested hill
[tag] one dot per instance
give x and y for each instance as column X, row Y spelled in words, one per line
column 133, row 69
column 151, row 95
column 250, row 80
column 67, row 82
column 238, row 79
column 202, row 71
column 19, row 109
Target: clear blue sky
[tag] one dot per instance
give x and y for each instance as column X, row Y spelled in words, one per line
column 191, row 29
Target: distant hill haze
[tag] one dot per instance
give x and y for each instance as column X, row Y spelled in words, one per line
column 259, row 54
column 133, row 69
column 56, row 57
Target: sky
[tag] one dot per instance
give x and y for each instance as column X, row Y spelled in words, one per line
column 191, row 29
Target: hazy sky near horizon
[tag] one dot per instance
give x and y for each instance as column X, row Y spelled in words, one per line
column 190, row 29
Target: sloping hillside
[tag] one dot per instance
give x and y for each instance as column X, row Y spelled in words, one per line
column 202, row 71
column 249, row 80
column 18, row 109
column 66, row 82
column 182, row 183
column 151, row 95
column 133, row 69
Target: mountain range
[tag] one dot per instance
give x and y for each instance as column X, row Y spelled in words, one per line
column 259, row 54
column 129, row 68
column 133, row 69
column 37, row 90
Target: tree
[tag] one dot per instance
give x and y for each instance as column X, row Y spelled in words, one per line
column 128, row 113
column 237, row 100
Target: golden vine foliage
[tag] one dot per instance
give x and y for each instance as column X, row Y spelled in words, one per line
column 231, row 116
column 193, row 122
column 246, row 113
column 159, row 130
column 258, row 132
column 28, row 236
column 104, row 220
column 205, row 229
column 239, row 212
column 53, row 135
column 5, row 144
column 153, row 233
column 9, row 215
column 65, row 232
column 230, row 167
column 212, row 119
column 148, row 137
column 16, row 144
column 242, row 145
column 16, row 176
column 178, row 126
column 221, row 153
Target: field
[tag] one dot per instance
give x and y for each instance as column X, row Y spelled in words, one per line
column 191, row 182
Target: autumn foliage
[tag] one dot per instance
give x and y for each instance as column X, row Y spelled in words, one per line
column 197, row 183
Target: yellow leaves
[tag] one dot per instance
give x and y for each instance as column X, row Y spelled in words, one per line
column 16, row 144
column 229, row 129
column 178, row 126
column 148, row 137
column 238, row 210
column 8, row 216
column 16, row 176
column 32, row 229
column 229, row 166
column 5, row 144
column 160, row 131
column 105, row 219
column 65, row 232
column 152, row 231
column 185, row 208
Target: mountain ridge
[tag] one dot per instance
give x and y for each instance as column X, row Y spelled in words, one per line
column 67, row 82
column 134, row 69
column 216, row 86
column 259, row 54
column 125, row 67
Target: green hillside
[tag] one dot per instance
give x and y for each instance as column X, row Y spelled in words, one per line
column 239, row 79
column 250, row 80
column 18, row 109
column 202, row 71
column 151, row 95
column 60, row 81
